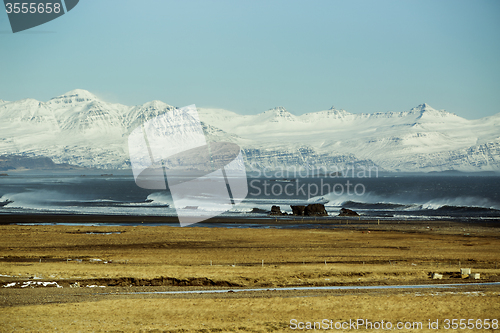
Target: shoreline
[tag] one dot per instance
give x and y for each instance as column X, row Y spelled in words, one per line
column 270, row 219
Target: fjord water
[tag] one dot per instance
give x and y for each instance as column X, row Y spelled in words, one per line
column 392, row 196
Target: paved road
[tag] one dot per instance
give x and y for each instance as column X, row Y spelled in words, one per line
column 38, row 296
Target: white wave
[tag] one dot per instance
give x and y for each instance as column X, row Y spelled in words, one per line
column 461, row 202
column 164, row 198
column 36, row 199
column 333, row 199
column 336, row 200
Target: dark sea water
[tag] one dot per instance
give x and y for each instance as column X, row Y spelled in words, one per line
column 425, row 196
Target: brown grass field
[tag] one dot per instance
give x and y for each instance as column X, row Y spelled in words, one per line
column 131, row 259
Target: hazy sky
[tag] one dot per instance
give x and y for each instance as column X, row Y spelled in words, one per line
column 250, row 56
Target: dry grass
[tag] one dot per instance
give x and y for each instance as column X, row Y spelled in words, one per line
column 291, row 257
column 242, row 315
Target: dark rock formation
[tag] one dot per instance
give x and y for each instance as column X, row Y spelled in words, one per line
column 347, row 212
column 276, row 210
column 5, row 203
column 315, row 210
column 298, row 210
column 309, row 210
column 259, row 211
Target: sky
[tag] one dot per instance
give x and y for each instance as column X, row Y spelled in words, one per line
column 249, row 56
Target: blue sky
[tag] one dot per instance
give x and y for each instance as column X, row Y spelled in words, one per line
column 250, row 56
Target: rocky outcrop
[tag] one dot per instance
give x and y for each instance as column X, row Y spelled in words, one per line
column 259, row 211
column 309, row 210
column 5, row 203
column 347, row 212
column 276, row 210
column 298, row 210
column 315, row 210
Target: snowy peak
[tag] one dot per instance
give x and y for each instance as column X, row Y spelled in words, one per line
column 426, row 113
column 278, row 109
column 422, row 107
column 333, row 109
column 426, row 109
column 25, row 118
column 74, row 96
column 142, row 113
column 278, row 114
column 331, row 113
column 80, row 93
column 150, row 110
column 157, row 105
column 96, row 116
column 25, row 110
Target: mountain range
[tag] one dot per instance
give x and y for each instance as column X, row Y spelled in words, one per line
column 80, row 129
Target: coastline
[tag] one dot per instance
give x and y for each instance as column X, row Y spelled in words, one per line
column 452, row 225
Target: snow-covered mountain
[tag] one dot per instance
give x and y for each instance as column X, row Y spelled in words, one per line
column 78, row 128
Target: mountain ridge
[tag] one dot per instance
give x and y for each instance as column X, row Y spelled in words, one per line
column 79, row 128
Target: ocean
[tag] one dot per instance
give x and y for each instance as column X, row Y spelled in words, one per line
column 390, row 196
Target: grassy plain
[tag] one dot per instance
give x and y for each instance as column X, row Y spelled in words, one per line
column 143, row 259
